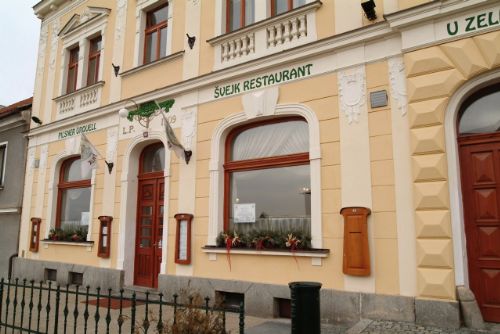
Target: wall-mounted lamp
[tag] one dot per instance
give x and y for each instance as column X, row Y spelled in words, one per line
column 369, row 9
column 116, row 68
column 36, row 120
column 191, row 40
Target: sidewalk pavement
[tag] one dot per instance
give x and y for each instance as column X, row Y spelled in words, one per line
column 366, row 326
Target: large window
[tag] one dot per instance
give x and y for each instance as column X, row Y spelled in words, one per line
column 239, row 13
column 155, row 37
column 3, row 156
column 73, row 200
column 72, row 69
column 94, row 58
column 282, row 6
column 267, row 177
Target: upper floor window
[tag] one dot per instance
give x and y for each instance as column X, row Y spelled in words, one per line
column 3, row 158
column 239, row 13
column 73, row 198
column 282, row 6
column 72, row 69
column 267, row 177
column 155, row 37
column 94, row 58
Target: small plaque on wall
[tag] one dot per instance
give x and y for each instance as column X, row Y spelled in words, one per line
column 378, row 99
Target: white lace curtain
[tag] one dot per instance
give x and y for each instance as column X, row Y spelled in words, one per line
column 271, row 140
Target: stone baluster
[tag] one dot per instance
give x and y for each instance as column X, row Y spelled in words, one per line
column 303, row 26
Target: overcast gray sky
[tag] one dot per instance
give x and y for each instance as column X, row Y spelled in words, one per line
column 19, row 31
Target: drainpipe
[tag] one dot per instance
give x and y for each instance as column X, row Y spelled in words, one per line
column 11, row 258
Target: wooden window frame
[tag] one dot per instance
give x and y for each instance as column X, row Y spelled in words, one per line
column 97, row 56
column 151, row 29
column 34, row 245
column 102, row 251
column 72, row 64
column 273, row 7
column 296, row 159
column 468, row 102
column 189, row 218
column 242, row 15
column 63, row 185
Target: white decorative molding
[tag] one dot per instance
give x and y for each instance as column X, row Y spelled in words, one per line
column 78, row 23
column 261, row 103
column 398, row 83
column 454, row 181
column 53, row 43
column 112, row 143
column 188, row 128
column 267, row 36
column 79, row 101
column 121, row 10
column 72, row 145
column 42, row 45
column 352, row 92
column 216, row 170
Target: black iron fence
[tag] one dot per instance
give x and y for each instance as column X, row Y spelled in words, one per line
column 29, row 307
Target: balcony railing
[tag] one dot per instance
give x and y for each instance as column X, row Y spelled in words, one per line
column 79, row 101
column 269, row 36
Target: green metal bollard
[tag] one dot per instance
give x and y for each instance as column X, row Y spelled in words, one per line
column 305, row 307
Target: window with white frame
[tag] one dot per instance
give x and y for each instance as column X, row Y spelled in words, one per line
column 3, row 158
column 153, row 31
column 267, row 177
column 83, row 41
column 282, row 6
column 239, row 13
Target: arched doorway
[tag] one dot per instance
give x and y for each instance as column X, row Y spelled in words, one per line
column 149, row 222
column 478, row 131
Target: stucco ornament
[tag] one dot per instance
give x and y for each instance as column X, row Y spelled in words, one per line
column 188, row 128
column 398, row 84
column 53, row 43
column 352, row 92
column 121, row 8
column 44, row 33
column 112, row 143
column 260, row 103
column 71, row 145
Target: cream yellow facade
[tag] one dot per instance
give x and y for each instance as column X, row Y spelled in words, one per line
column 398, row 159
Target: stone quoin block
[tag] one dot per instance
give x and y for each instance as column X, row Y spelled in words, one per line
column 433, row 224
column 435, row 283
column 429, row 167
column 434, row 85
column 466, row 56
column 489, row 44
column 426, row 61
column 427, row 140
column 431, row 195
column 425, row 113
column 435, row 253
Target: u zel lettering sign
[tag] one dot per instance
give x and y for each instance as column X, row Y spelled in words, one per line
column 263, row 81
column 474, row 22
column 77, row 130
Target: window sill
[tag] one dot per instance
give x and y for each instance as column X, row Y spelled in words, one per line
column 159, row 61
column 314, row 252
column 68, row 243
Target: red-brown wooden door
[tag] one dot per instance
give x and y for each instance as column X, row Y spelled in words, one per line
column 480, row 168
column 149, row 231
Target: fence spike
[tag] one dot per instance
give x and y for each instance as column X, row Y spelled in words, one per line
column 39, row 307
column 14, row 304
column 75, row 311
column 120, row 316
column 108, row 315
column 159, row 326
column 132, row 324
column 86, row 312
column 23, row 302
column 47, row 307
column 1, row 301
column 97, row 317
column 56, row 318
column 66, row 309
column 242, row 318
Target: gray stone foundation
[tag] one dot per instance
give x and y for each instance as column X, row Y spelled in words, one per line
column 336, row 306
column 91, row 276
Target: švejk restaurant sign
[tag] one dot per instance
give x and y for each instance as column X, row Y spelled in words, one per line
column 263, row 81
